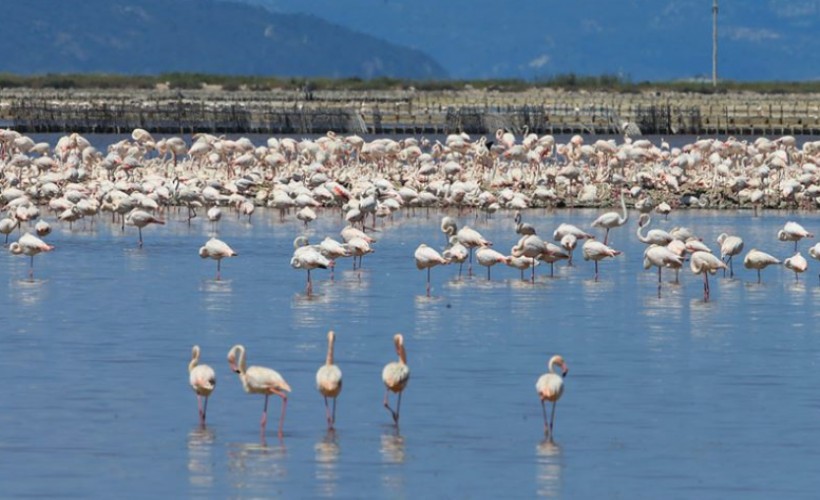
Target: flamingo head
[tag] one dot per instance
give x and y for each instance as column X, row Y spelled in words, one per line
column 558, row 360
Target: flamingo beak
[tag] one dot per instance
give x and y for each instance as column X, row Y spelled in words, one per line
column 565, row 371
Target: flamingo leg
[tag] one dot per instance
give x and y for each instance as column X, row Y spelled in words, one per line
column 264, row 421
column 731, row 269
column 552, row 269
column 140, row 231
column 659, row 282
column 393, row 414
column 596, row 270
column 282, row 416
column 470, row 265
column 488, row 273
column 546, row 423
column 758, row 276
column 309, row 283
column 428, row 281
column 552, row 418
column 334, row 412
column 204, row 410
column 532, row 278
column 606, row 236
column 31, row 269
column 218, row 269
column 705, row 286
column 398, row 409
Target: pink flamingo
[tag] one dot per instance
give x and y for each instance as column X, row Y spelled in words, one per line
column 550, row 387
column 260, row 380
column 427, row 258
column 395, row 376
column 30, row 245
column 329, row 380
column 217, row 250
column 203, row 381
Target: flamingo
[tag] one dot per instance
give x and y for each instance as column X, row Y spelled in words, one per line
column 654, row 236
column 793, row 231
column 329, row 380
column 729, row 247
column 523, row 228
column 595, row 250
column 217, row 250
column 660, row 257
column 141, row 218
column 42, row 228
column 395, row 376
column 30, row 245
column 814, row 253
column 259, row 380
column 427, row 258
column 449, row 226
column 521, row 263
column 203, row 381
column 7, row 226
column 456, row 252
column 306, row 256
column 489, row 257
column 530, row 246
column 550, row 387
column 552, row 254
column 758, row 260
column 610, row 220
column 705, row 263
column 796, row 263
column 471, row 238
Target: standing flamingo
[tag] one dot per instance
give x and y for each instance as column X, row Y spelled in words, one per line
column 705, row 263
column 203, row 381
column 471, row 238
column 814, row 252
column 550, row 387
column 758, row 260
column 489, row 257
column 796, row 263
column 427, row 258
column 449, row 226
column 456, row 252
column 395, row 376
column 30, row 245
column 729, row 247
column 141, row 218
column 329, row 380
column 660, row 257
column 595, row 250
column 217, row 250
column 793, row 231
column 610, row 220
column 259, row 380
column 306, row 256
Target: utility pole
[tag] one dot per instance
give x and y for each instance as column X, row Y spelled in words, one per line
column 714, row 42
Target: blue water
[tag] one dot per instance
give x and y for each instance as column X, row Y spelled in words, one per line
column 666, row 397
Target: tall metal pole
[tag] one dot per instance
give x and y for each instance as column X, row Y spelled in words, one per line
column 714, row 42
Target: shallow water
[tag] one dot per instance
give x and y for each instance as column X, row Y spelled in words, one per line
column 669, row 396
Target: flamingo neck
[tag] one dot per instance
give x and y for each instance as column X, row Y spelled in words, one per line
column 329, row 360
column 194, row 360
column 623, row 207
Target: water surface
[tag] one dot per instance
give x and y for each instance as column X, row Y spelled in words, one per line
column 669, row 396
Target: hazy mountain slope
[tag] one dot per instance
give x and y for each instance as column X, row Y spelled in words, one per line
column 155, row 36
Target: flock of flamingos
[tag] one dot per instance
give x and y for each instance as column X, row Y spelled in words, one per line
column 136, row 180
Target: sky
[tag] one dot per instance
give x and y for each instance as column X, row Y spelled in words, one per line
column 633, row 39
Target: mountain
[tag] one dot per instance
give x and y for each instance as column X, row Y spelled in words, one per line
column 205, row 36
column 635, row 39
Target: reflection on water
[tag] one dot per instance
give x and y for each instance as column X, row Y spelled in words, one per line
column 549, row 469
column 428, row 314
column 327, row 458
column 216, row 295
column 27, row 292
column 392, row 450
column 254, row 468
column 136, row 258
column 200, row 457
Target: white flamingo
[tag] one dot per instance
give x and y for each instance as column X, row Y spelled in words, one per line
column 329, row 380
column 395, row 376
column 758, row 260
column 611, row 220
column 30, row 245
column 427, row 258
column 217, row 250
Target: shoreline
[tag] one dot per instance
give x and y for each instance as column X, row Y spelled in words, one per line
column 409, row 112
